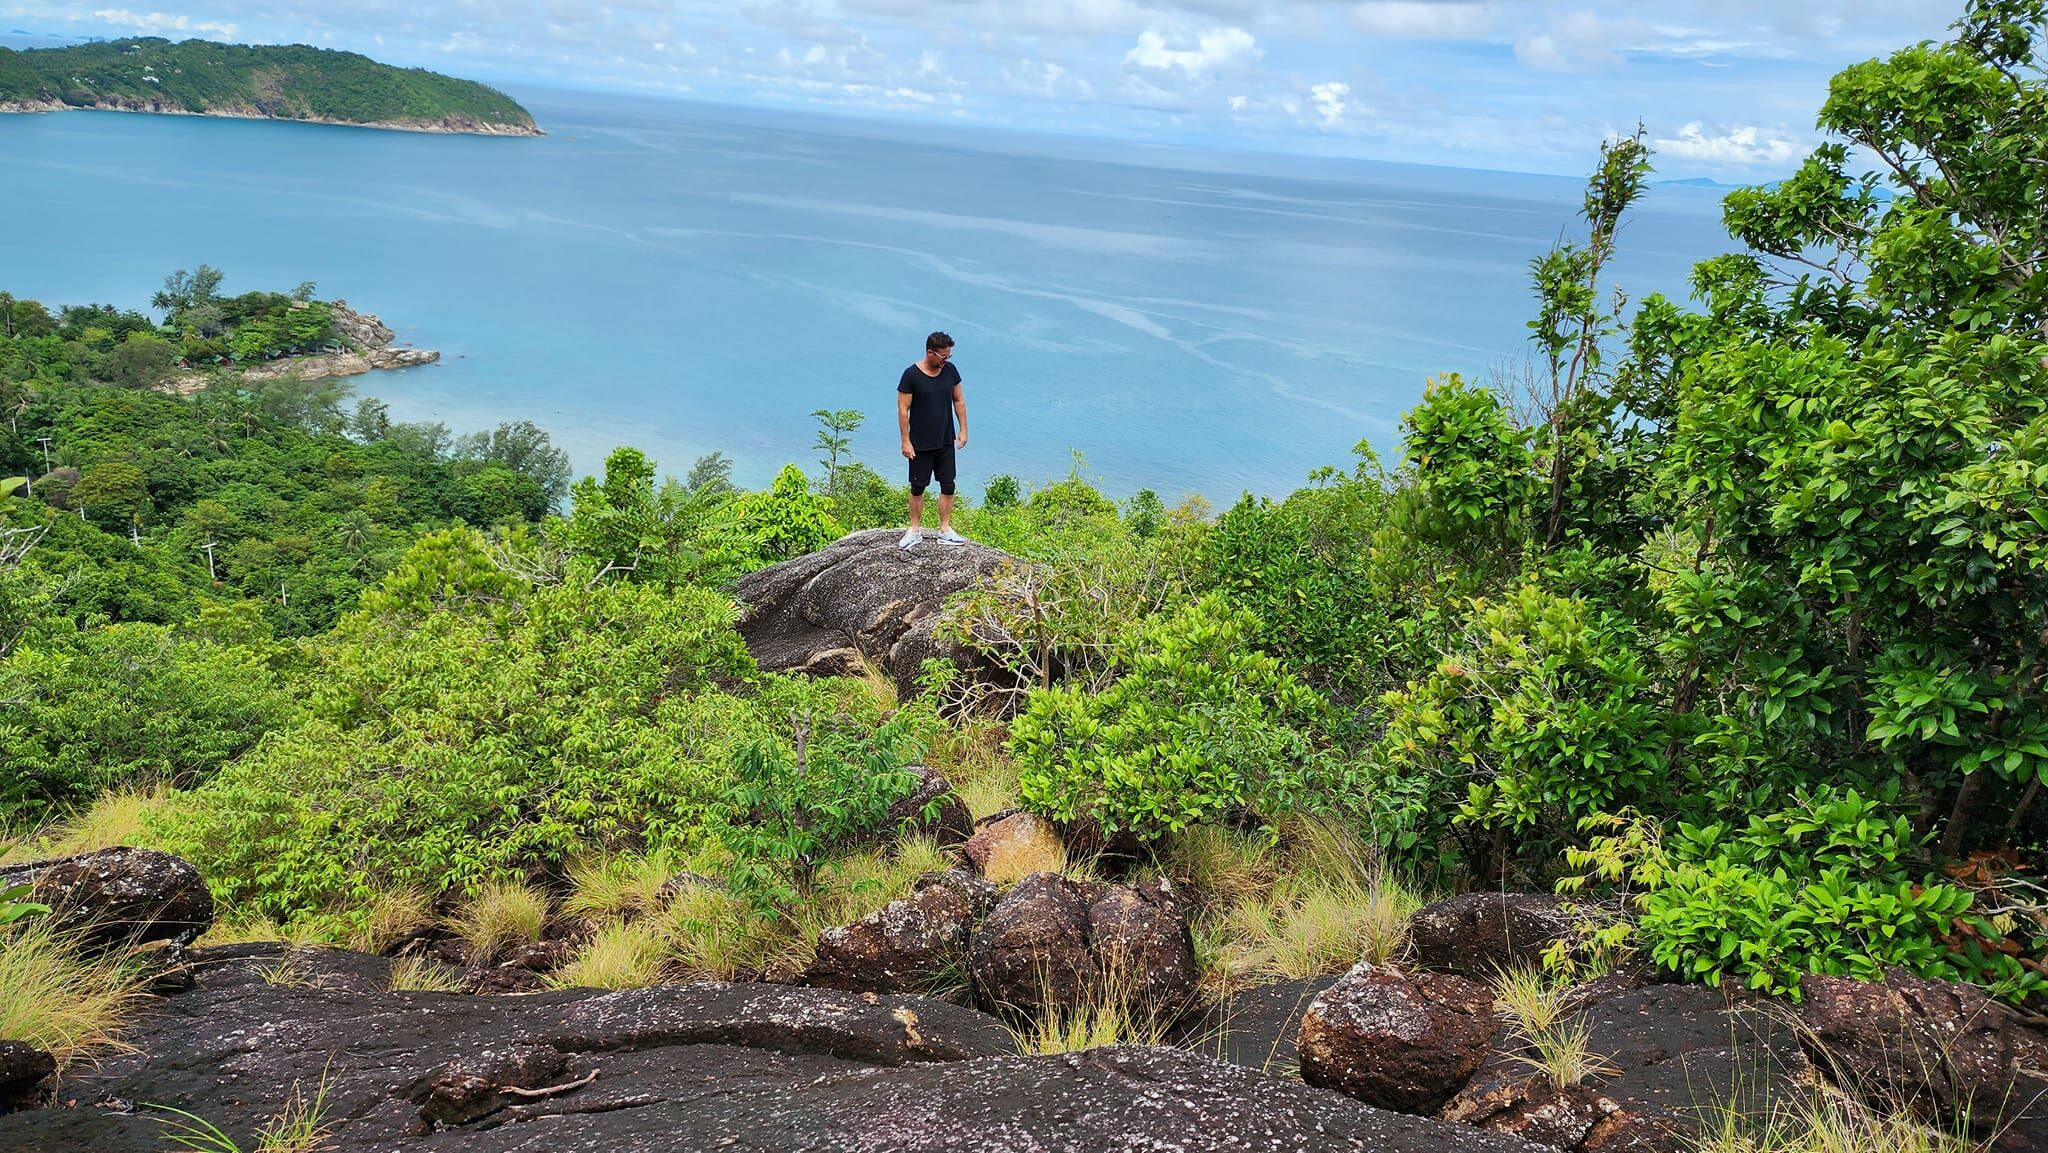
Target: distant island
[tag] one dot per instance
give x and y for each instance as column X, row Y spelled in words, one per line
column 269, row 82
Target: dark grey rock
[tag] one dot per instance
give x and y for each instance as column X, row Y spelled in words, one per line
column 684, row 1068
column 912, row 944
column 1143, row 945
column 1032, row 952
column 23, row 1068
column 1255, row 1028
column 1479, row 934
column 1398, row 1041
column 1943, row 1049
column 118, row 896
column 860, row 597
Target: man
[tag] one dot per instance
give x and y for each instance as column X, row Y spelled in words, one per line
column 928, row 397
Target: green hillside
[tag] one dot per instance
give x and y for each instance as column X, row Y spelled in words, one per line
column 286, row 82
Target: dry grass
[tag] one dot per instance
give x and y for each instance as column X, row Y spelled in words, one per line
column 607, row 888
column 51, row 998
column 394, row 915
column 501, row 915
column 1317, row 904
column 298, row 934
column 1560, row 1043
column 1827, row 1124
column 114, row 819
column 1111, row 1015
column 422, row 975
column 621, row 956
column 301, row 1126
column 713, row 934
column 970, row 755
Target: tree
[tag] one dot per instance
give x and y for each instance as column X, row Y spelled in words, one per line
column 140, row 361
column 711, row 475
column 835, row 435
column 523, row 447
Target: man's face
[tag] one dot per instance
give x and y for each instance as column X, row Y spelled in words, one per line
column 939, row 355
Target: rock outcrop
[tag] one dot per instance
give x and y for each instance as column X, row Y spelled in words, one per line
column 911, row 945
column 118, row 896
column 1479, row 934
column 370, row 350
column 1012, row 845
column 861, row 598
column 708, row 1066
column 1399, row 1041
column 1944, row 1050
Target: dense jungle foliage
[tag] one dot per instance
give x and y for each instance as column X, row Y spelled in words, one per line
column 1732, row 612
column 288, row 81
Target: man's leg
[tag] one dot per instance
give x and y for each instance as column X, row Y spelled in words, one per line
column 945, row 473
column 920, row 476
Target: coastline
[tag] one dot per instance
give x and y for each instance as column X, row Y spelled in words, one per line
column 450, row 126
column 371, row 350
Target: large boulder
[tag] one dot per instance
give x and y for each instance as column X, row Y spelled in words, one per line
column 1942, row 1049
column 441, row 1072
column 118, row 896
column 1479, row 934
column 1143, row 945
column 861, row 599
column 1406, row 1042
column 1032, row 952
column 909, row 945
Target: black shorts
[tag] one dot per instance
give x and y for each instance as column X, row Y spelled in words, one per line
column 929, row 463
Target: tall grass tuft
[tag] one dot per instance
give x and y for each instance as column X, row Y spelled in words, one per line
column 620, row 956
column 53, row 999
column 1559, row 1043
column 394, row 915
column 502, row 914
column 422, row 975
column 115, row 819
column 1821, row 1123
column 608, row 887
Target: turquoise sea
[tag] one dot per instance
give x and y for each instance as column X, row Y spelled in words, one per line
column 685, row 278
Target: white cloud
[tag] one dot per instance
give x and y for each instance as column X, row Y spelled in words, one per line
column 1216, row 48
column 164, row 22
column 1579, row 41
column 1744, row 144
column 1331, row 103
column 1436, row 21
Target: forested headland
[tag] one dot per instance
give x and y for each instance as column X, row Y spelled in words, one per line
column 275, row 82
column 1730, row 617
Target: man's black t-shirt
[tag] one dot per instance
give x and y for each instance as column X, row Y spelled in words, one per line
column 931, row 405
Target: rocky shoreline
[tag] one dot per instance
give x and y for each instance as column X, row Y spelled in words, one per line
column 370, row 349
column 450, row 125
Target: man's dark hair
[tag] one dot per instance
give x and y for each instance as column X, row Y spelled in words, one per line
column 937, row 340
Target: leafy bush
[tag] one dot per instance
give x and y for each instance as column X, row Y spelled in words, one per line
column 1196, row 726
column 124, row 705
column 1823, row 886
column 788, row 807
column 445, row 748
column 1544, row 719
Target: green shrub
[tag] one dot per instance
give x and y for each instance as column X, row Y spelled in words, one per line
column 1196, row 726
column 447, row 748
column 124, row 705
column 1545, row 717
column 1826, row 885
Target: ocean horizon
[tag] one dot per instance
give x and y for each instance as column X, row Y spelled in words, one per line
column 688, row 278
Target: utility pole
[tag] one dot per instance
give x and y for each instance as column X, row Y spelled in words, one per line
column 210, row 574
column 135, row 530
column 281, row 599
column 45, row 442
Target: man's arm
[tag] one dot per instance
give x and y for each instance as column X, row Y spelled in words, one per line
column 903, row 422
column 959, row 414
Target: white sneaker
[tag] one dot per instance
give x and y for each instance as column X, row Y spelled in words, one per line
column 910, row 539
column 951, row 536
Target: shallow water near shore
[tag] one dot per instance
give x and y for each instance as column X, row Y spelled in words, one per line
column 686, row 278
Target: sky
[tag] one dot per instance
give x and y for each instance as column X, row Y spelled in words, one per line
column 1725, row 89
